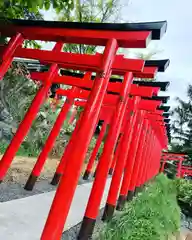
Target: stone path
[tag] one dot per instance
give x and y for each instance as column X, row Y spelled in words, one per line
column 24, row 218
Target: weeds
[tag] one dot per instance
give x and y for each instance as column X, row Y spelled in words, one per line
column 153, row 215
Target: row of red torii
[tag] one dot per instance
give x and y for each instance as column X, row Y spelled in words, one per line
column 180, row 158
column 138, row 124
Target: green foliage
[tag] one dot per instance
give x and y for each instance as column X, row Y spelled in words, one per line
column 79, row 110
column 17, row 90
column 24, row 151
column 16, row 94
column 3, row 146
column 153, row 215
column 90, row 11
column 170, row 170
column 68, row 128
column 92, row 143
column 31, row 44
column 184, row 196
column 182, row 125
column 91, row 147
column 29, row 9
column 184, row 190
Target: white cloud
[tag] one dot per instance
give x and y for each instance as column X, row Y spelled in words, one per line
column 176, row 44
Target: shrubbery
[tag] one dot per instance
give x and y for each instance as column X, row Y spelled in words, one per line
column 184, row 196
column 24, row 151
column 153, row 215
column 184, row 190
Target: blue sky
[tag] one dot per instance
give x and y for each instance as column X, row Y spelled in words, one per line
column 175, row 45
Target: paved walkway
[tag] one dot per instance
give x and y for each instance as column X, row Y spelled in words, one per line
column 23, row 219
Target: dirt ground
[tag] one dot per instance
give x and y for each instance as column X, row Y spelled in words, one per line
column 185, row 236
column 189, row 236
column 22, row 167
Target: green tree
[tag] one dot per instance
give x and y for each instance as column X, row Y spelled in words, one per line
column 97, row 11
column 17, row 90
column 182, row 124
column 29, row 9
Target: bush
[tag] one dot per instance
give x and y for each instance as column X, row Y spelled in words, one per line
column 184, row 196
column 91, row 147
column 26, row 150
column 184, row 190
column 153, row 215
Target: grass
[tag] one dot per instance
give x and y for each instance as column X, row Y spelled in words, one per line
column 23, row 150
column 153, row 215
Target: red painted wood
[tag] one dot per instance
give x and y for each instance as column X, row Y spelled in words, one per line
column 28, row 120
column 89, row 167
column 8, row 51
column 122, row 157
column 80, row 143
column 106, row 157
column 91, row 37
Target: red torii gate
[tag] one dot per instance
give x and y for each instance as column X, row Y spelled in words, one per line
column 111, row 36
column 71, row 94
column 186, row 170
column 106, row 115
column 65, row 92
column 173, row 156
column 43, row 32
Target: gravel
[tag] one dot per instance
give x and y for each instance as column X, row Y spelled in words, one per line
column 72, row 233
column 10, row 191
column 186, row 222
